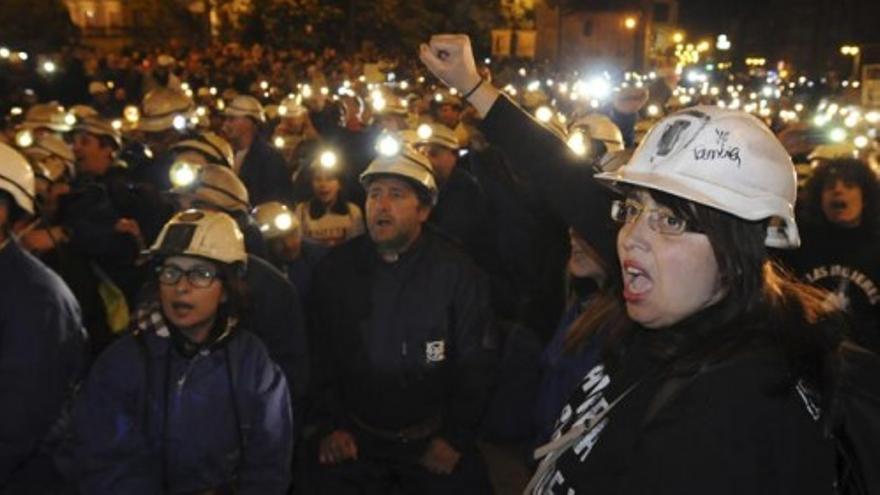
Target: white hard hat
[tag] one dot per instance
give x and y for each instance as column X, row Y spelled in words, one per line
column 164, row 109
column 99, row 127
column 437, row 134
column 48, row 115
column 207, row 234
column 213, row 184
column 245, row 106
column 98, row 87
column 83, row 112
column 724, row 159
column 215, row 149
column 599, row 126
column 17, row 178
column 291, row 107
column 833, row 151
column 275, row 219
column 46, row 147
column 407, row 163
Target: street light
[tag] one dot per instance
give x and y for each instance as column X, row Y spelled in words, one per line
column 630, row 23
column 856, row 53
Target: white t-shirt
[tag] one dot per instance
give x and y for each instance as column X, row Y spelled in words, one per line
column 332, row 228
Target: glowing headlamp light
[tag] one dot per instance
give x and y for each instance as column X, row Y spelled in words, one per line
column 577, row 143
column 837, row 135
column 24, row 139
column 184, row 174
column 328, row 160
column 131, row 113
column 424, row 131
column 179, row 122
column 283, row 221
column 544, row 114
column 388, row 146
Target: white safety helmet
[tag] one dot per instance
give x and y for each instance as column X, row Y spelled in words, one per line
column 406, row 163
column 275, row 220
column 723, row 159
column 17, row 178
column 51, row 157
column 49, row 116
column 164, row 109
column 98, row 88
column 291, row 107
column 206, row 234
column 215, row 149
column 83, row 112
column 212, row 184
column 833, row 151
column 599, row 126
column 436, row 134
column 99, row 127
column 245, row 106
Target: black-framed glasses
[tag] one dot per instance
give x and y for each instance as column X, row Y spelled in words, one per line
column 659, row 219
column 199, row 276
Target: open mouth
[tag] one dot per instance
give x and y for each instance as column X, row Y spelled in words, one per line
column 383, row 222
column 181, row 308
column 838, row 205
column 637, row 283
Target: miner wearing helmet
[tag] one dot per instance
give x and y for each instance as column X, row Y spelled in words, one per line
column 404, row 350
column 277, row 317
column 225, row 425
column 261, row 167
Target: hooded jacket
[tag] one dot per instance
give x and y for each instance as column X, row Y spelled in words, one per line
column 153, row 420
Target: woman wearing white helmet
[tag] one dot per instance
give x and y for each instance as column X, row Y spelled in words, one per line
column 708, row 385
column 189, row 401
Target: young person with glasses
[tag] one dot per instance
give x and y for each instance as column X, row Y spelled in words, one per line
column 189, row 401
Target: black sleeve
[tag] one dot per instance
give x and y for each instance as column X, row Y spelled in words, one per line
column 566, row 184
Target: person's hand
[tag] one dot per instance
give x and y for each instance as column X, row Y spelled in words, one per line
column 451, row 59
column 337, row 447
column 440, row 458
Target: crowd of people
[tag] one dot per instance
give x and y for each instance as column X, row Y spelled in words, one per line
column 250, row 270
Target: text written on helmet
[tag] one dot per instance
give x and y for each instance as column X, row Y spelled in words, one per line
column 721, row 150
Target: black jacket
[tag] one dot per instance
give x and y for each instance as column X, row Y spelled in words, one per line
column 265, row 175
column 277, row 319
column 398, row 343
column 845, row 262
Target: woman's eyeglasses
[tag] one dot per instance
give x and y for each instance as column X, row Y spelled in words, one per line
column 201, row 277
column 660, row 220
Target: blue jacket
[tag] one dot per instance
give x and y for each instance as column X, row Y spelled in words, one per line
column 42, row 354
column 560, row 374
column 225, row 398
